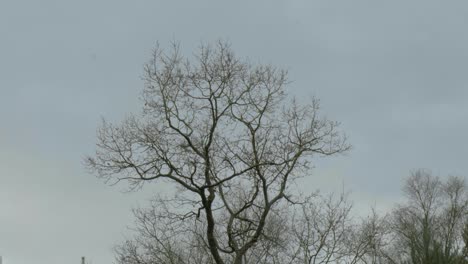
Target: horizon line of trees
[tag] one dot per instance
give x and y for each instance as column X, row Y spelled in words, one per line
column 429, row 227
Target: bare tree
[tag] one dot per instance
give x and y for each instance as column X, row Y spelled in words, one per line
column 326, row 233
column 225, row 133
column 319, row 230
column 429, row 227
column 370, row 241
column 161, row 236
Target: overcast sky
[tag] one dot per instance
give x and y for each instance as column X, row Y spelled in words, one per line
column 393, row 72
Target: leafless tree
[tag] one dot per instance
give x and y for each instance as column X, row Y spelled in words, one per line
column 161, row 236
column 319, row 230
column 429, row 226
column 371, row 240
column 326, row 233
column 226, row 134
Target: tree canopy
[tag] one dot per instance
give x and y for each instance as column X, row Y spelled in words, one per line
column 227, row 135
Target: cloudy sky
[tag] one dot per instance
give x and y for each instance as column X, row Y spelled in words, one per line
column 393, row 72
